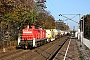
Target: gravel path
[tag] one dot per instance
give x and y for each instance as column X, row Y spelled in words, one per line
column 84, row 51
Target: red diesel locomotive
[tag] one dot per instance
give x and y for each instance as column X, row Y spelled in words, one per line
column 32, row 36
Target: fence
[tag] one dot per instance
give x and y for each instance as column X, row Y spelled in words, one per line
column 86, row 42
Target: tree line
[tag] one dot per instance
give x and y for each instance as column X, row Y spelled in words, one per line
column 17, row 14
column 86, row 27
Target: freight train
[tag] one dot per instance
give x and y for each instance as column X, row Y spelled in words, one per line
column 34, row 36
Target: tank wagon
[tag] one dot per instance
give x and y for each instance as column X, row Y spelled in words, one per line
column 51, row 34
column 32, row 36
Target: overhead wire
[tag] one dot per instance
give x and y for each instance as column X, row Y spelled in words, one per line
column 71, row 18
column 53, row 5
column 51, row 12
column 53, row 9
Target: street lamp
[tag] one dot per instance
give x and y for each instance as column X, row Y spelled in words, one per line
column 82, row 31
column 83, row 26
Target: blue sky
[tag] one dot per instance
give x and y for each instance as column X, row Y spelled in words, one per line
column 57, row 7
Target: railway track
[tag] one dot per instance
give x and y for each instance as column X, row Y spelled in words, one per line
column 69, row 51
column 61, row 55
column 4, row 54
column 13, row 55
column 50, row 53
column 44, row 52
column 52, row 56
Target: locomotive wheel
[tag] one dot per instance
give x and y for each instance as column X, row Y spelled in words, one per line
column 25, row 47
column 41, row 43
column 30, row 47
